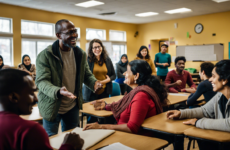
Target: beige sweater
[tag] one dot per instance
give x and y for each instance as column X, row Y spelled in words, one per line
column 32, row 70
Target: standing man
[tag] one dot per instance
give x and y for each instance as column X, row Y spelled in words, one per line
column 162, row 62
column 61, row 70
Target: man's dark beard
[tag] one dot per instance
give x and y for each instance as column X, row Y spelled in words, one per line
column 67, row 45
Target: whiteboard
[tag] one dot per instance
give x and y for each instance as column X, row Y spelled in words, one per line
column 211, row 52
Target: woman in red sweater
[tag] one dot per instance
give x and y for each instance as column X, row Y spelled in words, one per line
column 145, row 100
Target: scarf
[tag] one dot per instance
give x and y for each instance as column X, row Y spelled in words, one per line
column 26, row 66
column 121, row 63
column 2, row 62
column 118, row 107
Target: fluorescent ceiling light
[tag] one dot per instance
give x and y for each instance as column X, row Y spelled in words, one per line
column 146, row 14
column 219, row 1
column 179, row 10
column 89, row 4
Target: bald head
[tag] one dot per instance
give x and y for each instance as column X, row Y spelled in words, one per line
column 58, row 25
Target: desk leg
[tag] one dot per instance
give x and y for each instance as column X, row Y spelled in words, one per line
column 178, row 143
column 189, row 144
column 220, row 146
column 82, row 116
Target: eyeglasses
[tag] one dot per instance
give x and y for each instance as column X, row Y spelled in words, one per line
column 98, row 47
column 70, row 32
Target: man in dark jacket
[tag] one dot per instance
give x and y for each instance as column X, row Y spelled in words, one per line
column 61, row 70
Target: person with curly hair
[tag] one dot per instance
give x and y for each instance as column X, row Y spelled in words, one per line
column 102, row 67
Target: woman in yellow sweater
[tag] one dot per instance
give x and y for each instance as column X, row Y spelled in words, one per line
column 144, row 55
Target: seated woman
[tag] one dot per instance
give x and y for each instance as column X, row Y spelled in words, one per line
column 145, row 100
column 144, row 55
column 27, row 66
column 121, row 68
column 215, row 114
column 204, row 87
column 2, row 66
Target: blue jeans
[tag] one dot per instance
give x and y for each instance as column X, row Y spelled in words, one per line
column 68, row 120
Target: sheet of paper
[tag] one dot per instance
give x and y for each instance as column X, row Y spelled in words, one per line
column 91, row 137
column 116, row 146
column 178, row 94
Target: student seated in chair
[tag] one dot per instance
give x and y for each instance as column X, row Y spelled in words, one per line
column 176, row 80
column 144, row 101
column 17, row 98
column 204, row 87
column 215, row 114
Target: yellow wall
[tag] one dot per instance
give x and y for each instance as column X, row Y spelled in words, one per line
column 218, row 23
column 18, row 13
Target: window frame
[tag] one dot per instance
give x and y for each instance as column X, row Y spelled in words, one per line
column 104, row 32
column 119, row 43
column 24, row 35
column 125, row 36
column 11, row 49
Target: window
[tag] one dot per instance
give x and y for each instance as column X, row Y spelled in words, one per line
column 6, row 50
column 95, row 33
column 5, row 25
column 117, row 35
column 118, row 50
column 37, row 28
column 34, row 47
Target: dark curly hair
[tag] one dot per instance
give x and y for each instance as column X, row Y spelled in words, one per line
column 91, row 55
column 223, row 70
column 145, row 78
column 207, row 67
column 139, row 53
column 180, row 58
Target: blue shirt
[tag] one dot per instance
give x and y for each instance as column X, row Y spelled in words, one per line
column 162, row 58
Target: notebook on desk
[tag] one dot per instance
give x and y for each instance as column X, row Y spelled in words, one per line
column 91, row 137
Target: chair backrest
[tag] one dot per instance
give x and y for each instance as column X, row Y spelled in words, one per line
column 116, row 90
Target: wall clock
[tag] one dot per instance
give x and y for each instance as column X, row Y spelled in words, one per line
column 199, row 28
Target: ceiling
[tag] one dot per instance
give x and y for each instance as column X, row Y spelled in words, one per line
column 126, row 9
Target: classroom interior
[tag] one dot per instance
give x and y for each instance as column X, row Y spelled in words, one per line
column 180, row 31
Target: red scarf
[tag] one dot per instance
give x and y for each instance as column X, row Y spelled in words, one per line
column 119, row 106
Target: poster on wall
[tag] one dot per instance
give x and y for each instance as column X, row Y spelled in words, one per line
column 172, row 41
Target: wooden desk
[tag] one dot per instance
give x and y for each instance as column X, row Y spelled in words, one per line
column 174, row 99
column 172, row 130
column 89, row 109
column 34, row 116
column 161, row 123
column 211, row 135
column 132, row 140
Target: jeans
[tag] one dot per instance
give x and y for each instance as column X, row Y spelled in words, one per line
column 68, row 121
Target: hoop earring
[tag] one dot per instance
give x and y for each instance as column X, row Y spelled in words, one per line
column 135, row 82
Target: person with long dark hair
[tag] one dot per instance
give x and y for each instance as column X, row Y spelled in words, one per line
column 102, row 68
column 214, row 115
column 121, row 68
column 27, row 66
column 2, row 65
column 143, row 54
column 145, row 100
